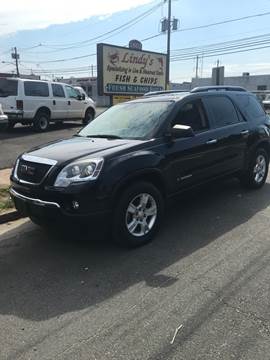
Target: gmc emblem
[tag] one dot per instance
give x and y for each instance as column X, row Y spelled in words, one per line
column 27, row 170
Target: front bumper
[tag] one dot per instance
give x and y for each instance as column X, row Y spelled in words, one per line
column 33, row 206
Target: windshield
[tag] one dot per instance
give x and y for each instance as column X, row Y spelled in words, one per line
column 8, row 87
column 130, row 120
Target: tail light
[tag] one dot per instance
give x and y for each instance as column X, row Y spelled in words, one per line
column 19, row 104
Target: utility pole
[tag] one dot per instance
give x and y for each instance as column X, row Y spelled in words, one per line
column 167, row 24
column 168, row 44
column 16, row 56
column 197, row 66
column 92, row 70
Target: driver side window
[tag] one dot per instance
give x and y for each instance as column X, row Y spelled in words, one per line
column 192, row 114
column 71, row 92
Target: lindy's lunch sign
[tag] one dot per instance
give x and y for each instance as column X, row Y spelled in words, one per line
column 127, row 71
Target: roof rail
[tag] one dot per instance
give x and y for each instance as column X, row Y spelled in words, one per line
column 217, row 88
column 164, row 92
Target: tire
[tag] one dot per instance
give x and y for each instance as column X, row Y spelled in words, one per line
column 255, row 176
column 88, row 117
column 10, row 125
column 41, row 121
column 131, row 209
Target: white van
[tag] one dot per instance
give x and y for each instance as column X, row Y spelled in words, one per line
column 38, row 102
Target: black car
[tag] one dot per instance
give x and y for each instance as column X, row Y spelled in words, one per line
column 133, row 157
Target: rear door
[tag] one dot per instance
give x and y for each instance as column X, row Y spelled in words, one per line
column 229, row 133
column 8, row 94
column 37, row 94
column 59, row 102
column 75, row 106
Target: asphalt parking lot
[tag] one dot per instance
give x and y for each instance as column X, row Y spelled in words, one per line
column 22, row 138
column 73, row 295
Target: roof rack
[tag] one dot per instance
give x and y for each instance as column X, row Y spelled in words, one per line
column 164, row 92
column 217, row 88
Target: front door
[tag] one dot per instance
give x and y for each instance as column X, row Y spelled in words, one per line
column 75, row 107
column 191, row 159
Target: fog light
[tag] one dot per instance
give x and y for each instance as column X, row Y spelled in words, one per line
column 75, row 205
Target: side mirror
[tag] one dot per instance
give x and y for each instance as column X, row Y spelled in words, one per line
column 182, row 131
column 83, row 96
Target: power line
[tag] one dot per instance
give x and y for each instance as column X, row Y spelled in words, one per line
column 213, row 24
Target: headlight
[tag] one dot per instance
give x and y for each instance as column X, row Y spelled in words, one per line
column 79, row 171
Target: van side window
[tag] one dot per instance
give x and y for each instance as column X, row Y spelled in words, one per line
column 192, row 114
column 222, row 110
column 72, row 93
column 58, row 90
column 35, row 88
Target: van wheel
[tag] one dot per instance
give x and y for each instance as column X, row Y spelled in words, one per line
column 255, row 176
column 89, row 116
column 41, row 121
column 138, row 215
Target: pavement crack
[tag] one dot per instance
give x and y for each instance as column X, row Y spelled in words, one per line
column 264, row 323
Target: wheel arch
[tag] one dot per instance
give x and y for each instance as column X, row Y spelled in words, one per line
column 44, row 109
column 151, row 176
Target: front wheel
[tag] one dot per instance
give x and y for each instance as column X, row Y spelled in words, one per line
column 138, row 215
column 255, row 176
column 89, row 116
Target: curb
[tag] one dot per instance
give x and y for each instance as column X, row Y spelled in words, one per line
column 9, row 216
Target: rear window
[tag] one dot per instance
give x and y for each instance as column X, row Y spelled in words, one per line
column 8, row 87
column 34, row 88
column 249, row 106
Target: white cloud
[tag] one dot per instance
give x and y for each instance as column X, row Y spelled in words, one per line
column 19, row 15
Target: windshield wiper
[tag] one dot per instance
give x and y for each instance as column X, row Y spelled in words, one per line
column 104, row 136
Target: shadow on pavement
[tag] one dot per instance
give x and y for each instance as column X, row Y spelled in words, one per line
column 45, row 275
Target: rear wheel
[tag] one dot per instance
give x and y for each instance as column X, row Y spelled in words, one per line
column 138, row 215
column 89, row 116
column 41, row 121
column 255, row 176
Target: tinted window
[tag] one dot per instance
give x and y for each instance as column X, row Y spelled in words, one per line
column 34, row 88
column 222, row 110
column 58, row 90
column 249, row 106
column 72, row 93
column 8, row 87
column 192, row 114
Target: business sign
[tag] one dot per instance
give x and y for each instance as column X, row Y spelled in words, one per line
column 128, row 71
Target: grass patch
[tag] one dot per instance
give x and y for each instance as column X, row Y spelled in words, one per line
column 5, row 201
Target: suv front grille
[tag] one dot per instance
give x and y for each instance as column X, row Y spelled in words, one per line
column 32, row 172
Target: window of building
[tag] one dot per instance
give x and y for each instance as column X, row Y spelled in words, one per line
column 35, row 88
column 262, row 87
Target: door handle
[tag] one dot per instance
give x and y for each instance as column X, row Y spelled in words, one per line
column 245, row 132
column 54, row 102
column 212, row 141
column 68, row 102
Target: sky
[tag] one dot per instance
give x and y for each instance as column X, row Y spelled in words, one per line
column 46, row 31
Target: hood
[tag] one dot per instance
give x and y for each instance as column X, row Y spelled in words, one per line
column 74, row 148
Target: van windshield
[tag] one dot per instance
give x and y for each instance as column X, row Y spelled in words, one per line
column 8, row 87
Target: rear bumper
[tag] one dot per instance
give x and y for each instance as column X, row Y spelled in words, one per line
column 15, row 115
column 3, row 121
